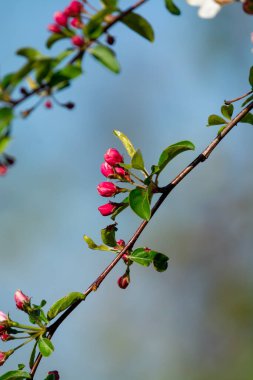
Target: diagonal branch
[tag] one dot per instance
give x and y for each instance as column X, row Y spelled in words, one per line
column 165, row 192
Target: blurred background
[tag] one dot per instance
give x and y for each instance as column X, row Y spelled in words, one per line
column 193, row 321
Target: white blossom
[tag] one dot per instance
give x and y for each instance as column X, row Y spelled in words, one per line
column 207, row 8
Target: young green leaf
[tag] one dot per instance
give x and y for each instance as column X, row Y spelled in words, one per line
column 65, row 74
column 92, row 245
column 124, row 204
column 6, row 116
column 172, row 8
column 106, row 56
column 160, row 262
column 142, row 256
column 30, row 53
column 126, row 142
column 227, row 111
column 140, row 203
column 14, row 375
column 64, row 303
column 32, row 356
column 139, row 25
column 251, row 76
column 4, row 142
column 45, row 346
column 247, row 119
column 249, row 99
column 215, row 120
column 108, row 235
column 54, row 38
column 172, row 151
column 137, row 160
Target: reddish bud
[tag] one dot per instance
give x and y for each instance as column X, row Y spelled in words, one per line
column 54, row 28
column 3, row 357
column 77, row 41
column 3, row 321
column 55, row 373
column 121, row 243
column 22, row 301
column 74, row 8
column 107, row 189
column 76, row 23
column 248, row 7
column 48, row 104
column 69, row 105
column 120, row 171
column 107, row 170
column 3, row 169
column 107, row 209
column 60, row 18
column 113, row 157
column 4, row 337
column 110, row 39
column 124, row 281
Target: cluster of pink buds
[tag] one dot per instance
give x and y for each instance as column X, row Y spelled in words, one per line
column 70, row 16
column 5, row 163
column 111, row 169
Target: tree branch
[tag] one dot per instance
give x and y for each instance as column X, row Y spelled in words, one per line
column 165, row 192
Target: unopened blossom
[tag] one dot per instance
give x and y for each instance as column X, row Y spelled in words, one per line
column 3, row 169
column 55, row 373
column 113, row 157
column 77, row 41
column 22, row 301
column 60, row 18
column 3, row 358
column 76, row 23
column 3, row 321
column 124, row 281
column 107, row 189
column 48, row 104
column 107, row 209
column 54, row 28
column 74, row 9
column 207, row 8
column 4, row 337
column 107, row 170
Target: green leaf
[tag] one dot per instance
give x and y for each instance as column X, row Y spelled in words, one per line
column 124, row 204
column 108, row 235
column 247, row 119
column 137, row 160
column 160, row 262
column 215, row 120
column 13, row 375
column 64, row 303
column 251, row 76
column 171, row 152
column 45, row 346
column 21, row 366
column 110, row 3
column 106, row 56
column 65, row 74
column 139, row 202
column 6, row 116
column 126, row 142
column 94, row 246
column 93, row 29
column 249, row 99
column 227, row 111
column 139, row 25
column 30, row 53
column 4, row 142
column 32, row 356
column 54, row 38
column 172, row 8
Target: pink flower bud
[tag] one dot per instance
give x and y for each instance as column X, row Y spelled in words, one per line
column 3, row 321
column 77, row 41
column 3, row 169
column 107, row 209
column 55, row 373
column 54, row 28
column 4, row 337
column 124, row 281
column 76, row 23
column 60, row 18
column 107, row 189
column 74, row 8
column 3, row 357
column 107, row 170
column 48, row 104
column 120, row 171
column 22, row 301
column 121, row 243
column 113, row 157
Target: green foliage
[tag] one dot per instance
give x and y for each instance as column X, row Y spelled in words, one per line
column 139, row 25
column 247, row 119
column 14, row 375
column 123, row 205
column 145, row 257
column 33, row 354
column 251, row 76
column 215, row 120
column 55, row 37
column 106, row 56
column 172, row 8
column 108, row 235
column 126, row 143
column 64, row 303
column 6, row 117
column 248, row 100
column 227, row 111
column 92, row 245
column 139, row 200
column 137, row 160
column 45, row 346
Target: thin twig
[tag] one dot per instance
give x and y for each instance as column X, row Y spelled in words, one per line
column 228, row 102
column 166, row 191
